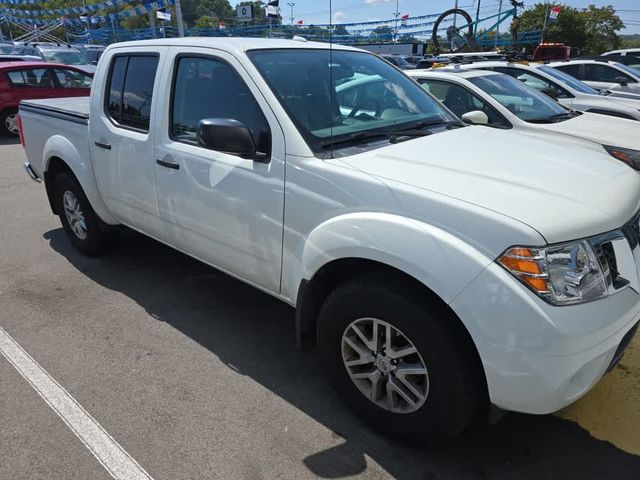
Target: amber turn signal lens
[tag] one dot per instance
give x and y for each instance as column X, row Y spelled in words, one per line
column 523, row 263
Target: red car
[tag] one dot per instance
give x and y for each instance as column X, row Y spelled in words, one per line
column 34, row 80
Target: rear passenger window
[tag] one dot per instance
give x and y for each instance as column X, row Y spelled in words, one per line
column 573, row 70
column 32, row 77
column 207, row 88
column 130, row 90
column 603, row 73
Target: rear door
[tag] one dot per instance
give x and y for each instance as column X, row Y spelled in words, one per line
column 222, row 208
column 122, row 139
column 30, row 84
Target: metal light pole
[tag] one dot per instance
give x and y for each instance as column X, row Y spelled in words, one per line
column 179, row 18
column 291, row 4
column 396, row 14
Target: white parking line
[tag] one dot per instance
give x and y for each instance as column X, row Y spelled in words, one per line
column 102, row 445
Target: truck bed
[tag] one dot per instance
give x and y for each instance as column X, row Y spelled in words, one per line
column 73, row 108
column 59, row 126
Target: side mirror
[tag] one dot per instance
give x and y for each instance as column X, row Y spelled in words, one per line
column 226, row 135
column 623, row 81
column 475, row 117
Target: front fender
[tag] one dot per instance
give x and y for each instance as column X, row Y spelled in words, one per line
column 438, row 259
column 60, row 147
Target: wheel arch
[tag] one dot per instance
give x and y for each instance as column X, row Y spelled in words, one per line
column 59, row 155
column 314, row 291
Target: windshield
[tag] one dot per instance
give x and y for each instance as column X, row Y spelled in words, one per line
column 628, row 69
column 68, row 57
column 567, row 79
column 525, row 102
column 368, row 93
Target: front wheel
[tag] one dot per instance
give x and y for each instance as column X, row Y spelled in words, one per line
column 399, row 360
column 9, row 122
column 82, row 225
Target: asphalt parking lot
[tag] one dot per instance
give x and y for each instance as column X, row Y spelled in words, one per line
column 196, row 376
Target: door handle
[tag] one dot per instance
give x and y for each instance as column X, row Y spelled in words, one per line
column 104, row 146
column 164, row 163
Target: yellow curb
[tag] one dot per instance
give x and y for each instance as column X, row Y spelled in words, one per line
column 611, row 411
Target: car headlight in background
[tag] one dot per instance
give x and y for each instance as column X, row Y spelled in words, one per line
column 563, row 274
column 627, row 155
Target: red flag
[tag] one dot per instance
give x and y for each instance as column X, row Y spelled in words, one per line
column 300, row 22
column 405, row 17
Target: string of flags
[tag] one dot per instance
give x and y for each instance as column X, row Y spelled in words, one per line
column 68, row 11
column 132, row 12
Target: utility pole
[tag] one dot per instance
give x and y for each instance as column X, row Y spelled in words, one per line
column 498, row 26
column 152, row 22
column 544, row 25
column 179, row 19
column 396, row 14
column 291, row 4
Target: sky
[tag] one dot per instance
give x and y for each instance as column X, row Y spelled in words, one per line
column 317, row 11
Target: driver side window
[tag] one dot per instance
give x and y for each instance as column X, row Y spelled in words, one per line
column 460, row 100
column 209, row 88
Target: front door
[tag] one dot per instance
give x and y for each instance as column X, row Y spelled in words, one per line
column 221, row 208
column 122, row 138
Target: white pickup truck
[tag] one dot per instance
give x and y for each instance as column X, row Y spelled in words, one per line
column 439, row 268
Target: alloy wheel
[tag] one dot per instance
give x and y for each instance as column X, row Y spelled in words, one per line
column 385, row 365
column 74, row 215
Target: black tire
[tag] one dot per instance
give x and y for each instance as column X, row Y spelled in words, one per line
column 436, row 26
column 457, row 386
column 99, row 236
column 4, row 122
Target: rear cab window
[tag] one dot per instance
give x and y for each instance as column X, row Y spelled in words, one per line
column 129, row 90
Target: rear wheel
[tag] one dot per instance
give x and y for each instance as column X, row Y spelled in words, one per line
column 82, row 225
column 399, row 360
column 9, row 122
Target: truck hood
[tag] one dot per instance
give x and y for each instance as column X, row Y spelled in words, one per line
column 562, row 191
column 603, row 129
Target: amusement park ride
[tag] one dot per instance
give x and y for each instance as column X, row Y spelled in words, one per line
column 463, row 33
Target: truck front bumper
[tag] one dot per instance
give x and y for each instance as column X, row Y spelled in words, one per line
column 539, row 358
column 32, row 174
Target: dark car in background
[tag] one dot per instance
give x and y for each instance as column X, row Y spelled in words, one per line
column 398, row 61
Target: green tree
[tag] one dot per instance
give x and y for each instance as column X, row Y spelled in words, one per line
column 602, row 27
column 570, row 27
column 382, row 33
column 204, row 22
column 593, row 29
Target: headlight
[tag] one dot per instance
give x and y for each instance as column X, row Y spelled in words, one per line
column 561, row 274
column 627, row 155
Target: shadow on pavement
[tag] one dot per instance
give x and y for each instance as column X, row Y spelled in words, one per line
column 254, row 334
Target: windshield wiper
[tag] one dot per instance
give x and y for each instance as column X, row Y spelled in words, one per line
column 559, row 117
column 419, row 129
